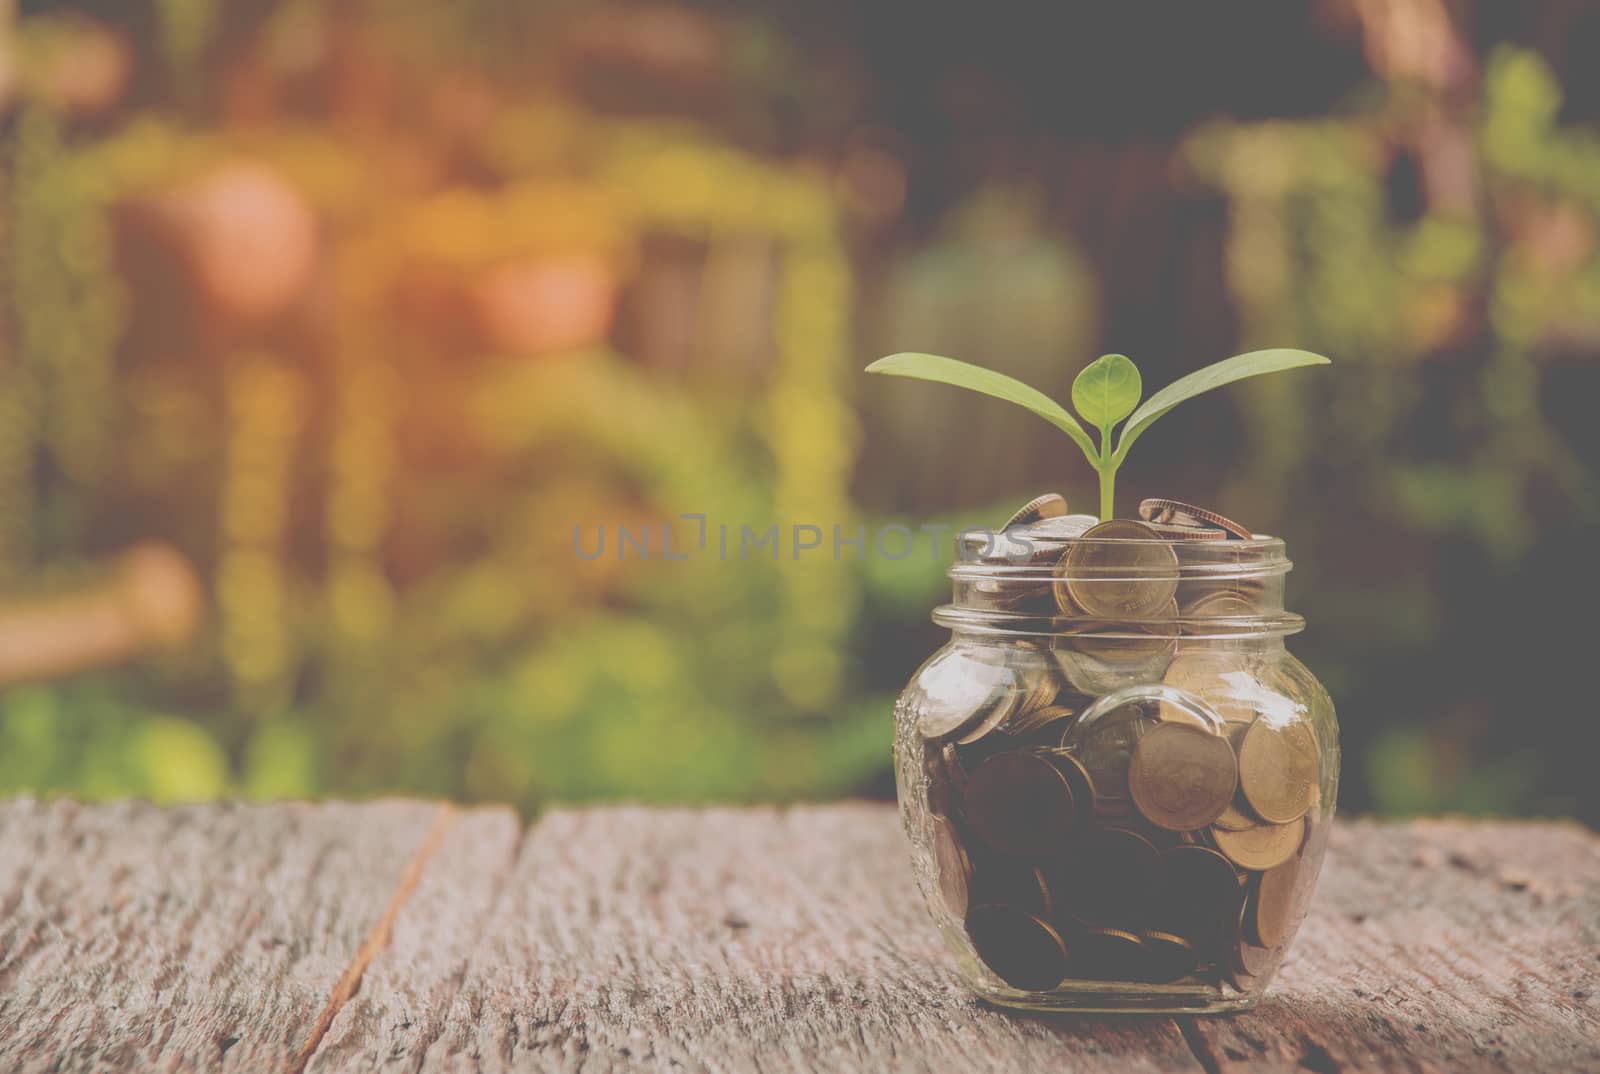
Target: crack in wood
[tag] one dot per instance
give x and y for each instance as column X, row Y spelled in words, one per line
column 377, row 937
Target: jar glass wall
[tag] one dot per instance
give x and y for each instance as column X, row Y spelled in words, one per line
column 1116, row 780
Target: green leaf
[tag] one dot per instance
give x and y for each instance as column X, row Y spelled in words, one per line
column 988, row 382
column 1107, row 390
column 1203, row 380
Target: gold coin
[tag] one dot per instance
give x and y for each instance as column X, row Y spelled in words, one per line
column 960, row 686
column 1278, row 770
column 1262, row 847
column 986, row 719
column 1247, row 961
column 1199, row 898
column 1235, row 818
column 1038, row 683
column 952, row 768
column 1111, row 799
column 1182, row 778
column 1077, row 777
column 1125, row 643
column 1107, row 876
column 1220, row 604
column 1047, row 534
column 1176, row 512
column 1117, row 570
column 1106, row 954
column 1252, row 589
column 1022, row 949
column 1250, row 962
column 1106, row 749
column 1171, row 532
column 1220, row 613
column 1165, row 957
column 943, row 793
column 1047, row 725
column 1020, row 804
column 1013, row 883
column 1272, row 904
column 1050, row 505
column 1213, row 678
column 1170, row 713
column 953, row 866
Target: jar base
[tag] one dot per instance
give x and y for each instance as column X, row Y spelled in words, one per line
column 1120, row 999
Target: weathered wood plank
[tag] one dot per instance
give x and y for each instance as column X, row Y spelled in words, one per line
column 197, row 938
column 1436, row 946
column 407, row 989
column 401, row 936
column 741, row 940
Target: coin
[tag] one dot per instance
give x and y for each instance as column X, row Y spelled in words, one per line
column 1182, row 778
column 1200, row 896
column 1106, row 749
column 1061, row 528
column 1247, row 962
column 1186, row 533
column 1118, row 570
column 1020, row 804
column 1022, row 949
column 984, row 748
column 1220, row 604
column 1047, row 727
column 1262, row 847
column 1165, row 957
column 1110, row 774
column 1105, row 954
column 1215, row 679
column 1043, row 724
column 1050, row 505
column 1012, row 883
column 1248, row 588
column 1250, row 962
column 989, row 716
column 1278, row 770
column 952, row 768
column 1272, row 905
column 1107, row 876
column 1038, row 682
column 1077, row 777
column 1125, row 643
column 1176, row 512
column 943, row 796
column 953, row 866
column 1235, row 818
column 1092, row 673
column 959, row 686
column 1220, row 612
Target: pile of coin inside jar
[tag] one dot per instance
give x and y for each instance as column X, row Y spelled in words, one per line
column 1087, row 832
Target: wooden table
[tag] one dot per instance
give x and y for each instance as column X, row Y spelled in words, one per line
column 405, row 935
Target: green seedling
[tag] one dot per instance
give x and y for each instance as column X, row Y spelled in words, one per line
column 1104, row 393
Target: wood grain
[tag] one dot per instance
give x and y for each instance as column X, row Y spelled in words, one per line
column 741, row 940
column 196, row 938
column 407, row 989
column 1435, row 946
column 402, row 936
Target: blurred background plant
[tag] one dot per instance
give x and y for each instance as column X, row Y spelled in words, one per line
column 325, row 322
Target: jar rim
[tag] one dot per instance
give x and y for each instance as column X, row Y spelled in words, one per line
column 965, row 619
column 1248, row 567
column 1022, row 558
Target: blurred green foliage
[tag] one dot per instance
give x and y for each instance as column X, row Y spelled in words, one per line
column 363, row 306
column 1449, row 318
column 379, row 477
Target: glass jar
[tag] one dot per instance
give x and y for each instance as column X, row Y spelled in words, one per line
column 1116, row 781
